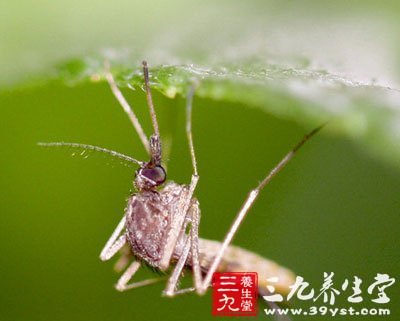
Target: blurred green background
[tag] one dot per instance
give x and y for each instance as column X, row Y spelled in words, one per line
column 334, row 208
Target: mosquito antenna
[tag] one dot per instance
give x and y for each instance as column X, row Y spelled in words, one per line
column 125, row 106
column 78, row 146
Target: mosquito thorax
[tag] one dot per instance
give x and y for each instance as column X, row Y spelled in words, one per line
column 150, row 176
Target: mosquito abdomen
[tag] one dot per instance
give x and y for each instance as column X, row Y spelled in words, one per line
column 237, row 259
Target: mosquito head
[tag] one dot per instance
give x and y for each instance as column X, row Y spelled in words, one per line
column 150, row 176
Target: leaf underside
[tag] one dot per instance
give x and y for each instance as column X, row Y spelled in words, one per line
column 367, row 113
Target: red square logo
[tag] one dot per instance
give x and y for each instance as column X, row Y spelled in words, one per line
column 235, row 294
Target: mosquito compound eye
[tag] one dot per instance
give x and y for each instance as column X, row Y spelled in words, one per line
column 156, row 174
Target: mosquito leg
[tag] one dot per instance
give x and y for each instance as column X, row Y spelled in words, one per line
column 194, row 237
column 122, row 284
column 113, row 244
column 125, row 106
column 189, row 104
column 123, row 261
column 194, row 210
column 170, row 289
column 251, row 198
column 193, row 218
column 186, row 202
column 194, row 213
column 194, row 250
column 177, row 224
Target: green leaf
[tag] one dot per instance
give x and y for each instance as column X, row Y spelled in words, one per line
column 367, row 113
column 303, row 62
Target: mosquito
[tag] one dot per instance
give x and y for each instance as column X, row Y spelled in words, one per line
column 160, row 225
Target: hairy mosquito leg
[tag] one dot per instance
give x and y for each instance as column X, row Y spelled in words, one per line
column 183, row 207
column 124, row 259
column 122, row 284
column 194, row 214
column 247, row 206
column 194, row 238
column 174, row 278
column 113, row 244
column 194, row 232
column 178, row 223
column 186, row 202
column 194, row 250
column 126, row 107
column 193, row 218
column 189, row 104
